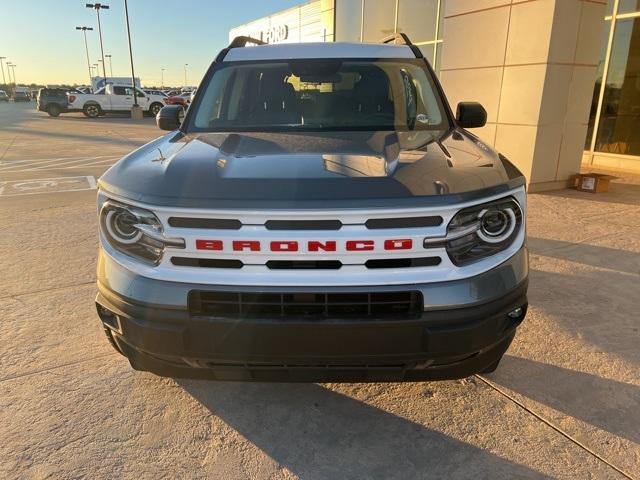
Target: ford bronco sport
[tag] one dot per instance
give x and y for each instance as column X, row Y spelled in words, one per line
column 319, row 214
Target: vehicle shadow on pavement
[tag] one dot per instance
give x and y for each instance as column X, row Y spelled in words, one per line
column 606, row 404
column 594, row 255
column 317, row 434
column 599, row 306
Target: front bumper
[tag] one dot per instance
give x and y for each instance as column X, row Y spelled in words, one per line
column 464, row 328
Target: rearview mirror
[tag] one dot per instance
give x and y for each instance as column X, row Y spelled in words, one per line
column 471, row 115
column 170, row 117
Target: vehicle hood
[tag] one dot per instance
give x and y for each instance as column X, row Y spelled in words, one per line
column 310, row 169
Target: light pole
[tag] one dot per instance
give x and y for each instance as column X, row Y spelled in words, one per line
column 9, row 72
column 13, row 71
column 97, row 7
column 86, row 46
column 110, row 65
column 133, row 73
column 162, row 77
column 4, row 81
column 185, row 74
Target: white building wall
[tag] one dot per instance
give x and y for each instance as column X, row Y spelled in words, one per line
column 310, row 22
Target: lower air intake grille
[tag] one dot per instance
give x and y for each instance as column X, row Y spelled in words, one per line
column 307, row 306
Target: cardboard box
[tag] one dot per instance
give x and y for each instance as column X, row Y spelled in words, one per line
column 592, row 182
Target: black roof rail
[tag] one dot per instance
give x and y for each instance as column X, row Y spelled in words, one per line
column 397, row 36
column 242, row 41
column 238, row 42
column 404, row 39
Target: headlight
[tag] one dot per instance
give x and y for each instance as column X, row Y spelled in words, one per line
column 480, row 231
column 135, row 232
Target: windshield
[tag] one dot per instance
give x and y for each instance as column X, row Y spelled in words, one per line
column 322, row 94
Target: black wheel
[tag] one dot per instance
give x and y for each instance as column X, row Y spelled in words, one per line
column 91, row 110
column 53, row 110
column 492, row 368
column 155, row 108
column 113, row 343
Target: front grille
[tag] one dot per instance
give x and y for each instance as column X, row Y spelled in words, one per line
column 406, row 222
column 320, row 225
column 206, row 262
column 307, row 306
column 303, row 224
column 304, row 264
column 208, row 223
column 307, row 264
column 403, row 262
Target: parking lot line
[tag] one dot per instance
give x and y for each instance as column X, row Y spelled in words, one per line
column 39, row 186
column 9, row 163
column 59, row 162
column 553, row 426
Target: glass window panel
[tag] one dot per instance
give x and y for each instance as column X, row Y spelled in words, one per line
column 427, row 51
column 628, row 6
column 596, row 89
column 610, row 7
column 436, row 67
column 379, row 19
column 348, row 20
column 418, row 19
column 619, row 125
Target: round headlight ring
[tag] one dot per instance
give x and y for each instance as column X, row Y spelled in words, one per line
column 121, row 230
column 496, row 224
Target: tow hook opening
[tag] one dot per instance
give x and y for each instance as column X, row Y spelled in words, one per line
column 109, row 318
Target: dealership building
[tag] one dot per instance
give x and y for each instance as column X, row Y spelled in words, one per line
column 560, row 79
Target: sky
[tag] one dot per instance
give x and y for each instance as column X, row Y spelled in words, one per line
column 40, row 38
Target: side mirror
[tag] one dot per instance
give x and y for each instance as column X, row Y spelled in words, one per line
column 471, row 115
column 170, row 117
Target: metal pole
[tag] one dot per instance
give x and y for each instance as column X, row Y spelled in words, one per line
column 104, row 71
column 9, row 72
column 185, row 74
column 4, row 81
column 110, row 65
column 13, row 70
column 133, row 74
column 86, row 46
column 162, row 78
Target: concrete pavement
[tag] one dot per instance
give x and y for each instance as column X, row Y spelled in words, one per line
column 563, row 404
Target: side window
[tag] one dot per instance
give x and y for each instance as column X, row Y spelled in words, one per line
column 139, row 93
column 120, row 91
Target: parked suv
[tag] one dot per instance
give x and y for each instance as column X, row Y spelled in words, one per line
column 318, row 215
column 52, row 100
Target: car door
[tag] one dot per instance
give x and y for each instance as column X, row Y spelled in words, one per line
column 143, row 99
column 122, row 98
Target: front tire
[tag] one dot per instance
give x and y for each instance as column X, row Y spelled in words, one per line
column 155, row 108
column 91, row 110
column 53, row 110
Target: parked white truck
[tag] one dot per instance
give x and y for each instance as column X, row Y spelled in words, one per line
column 113, row 99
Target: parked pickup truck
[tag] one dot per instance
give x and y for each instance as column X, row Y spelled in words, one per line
column 113, row 99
